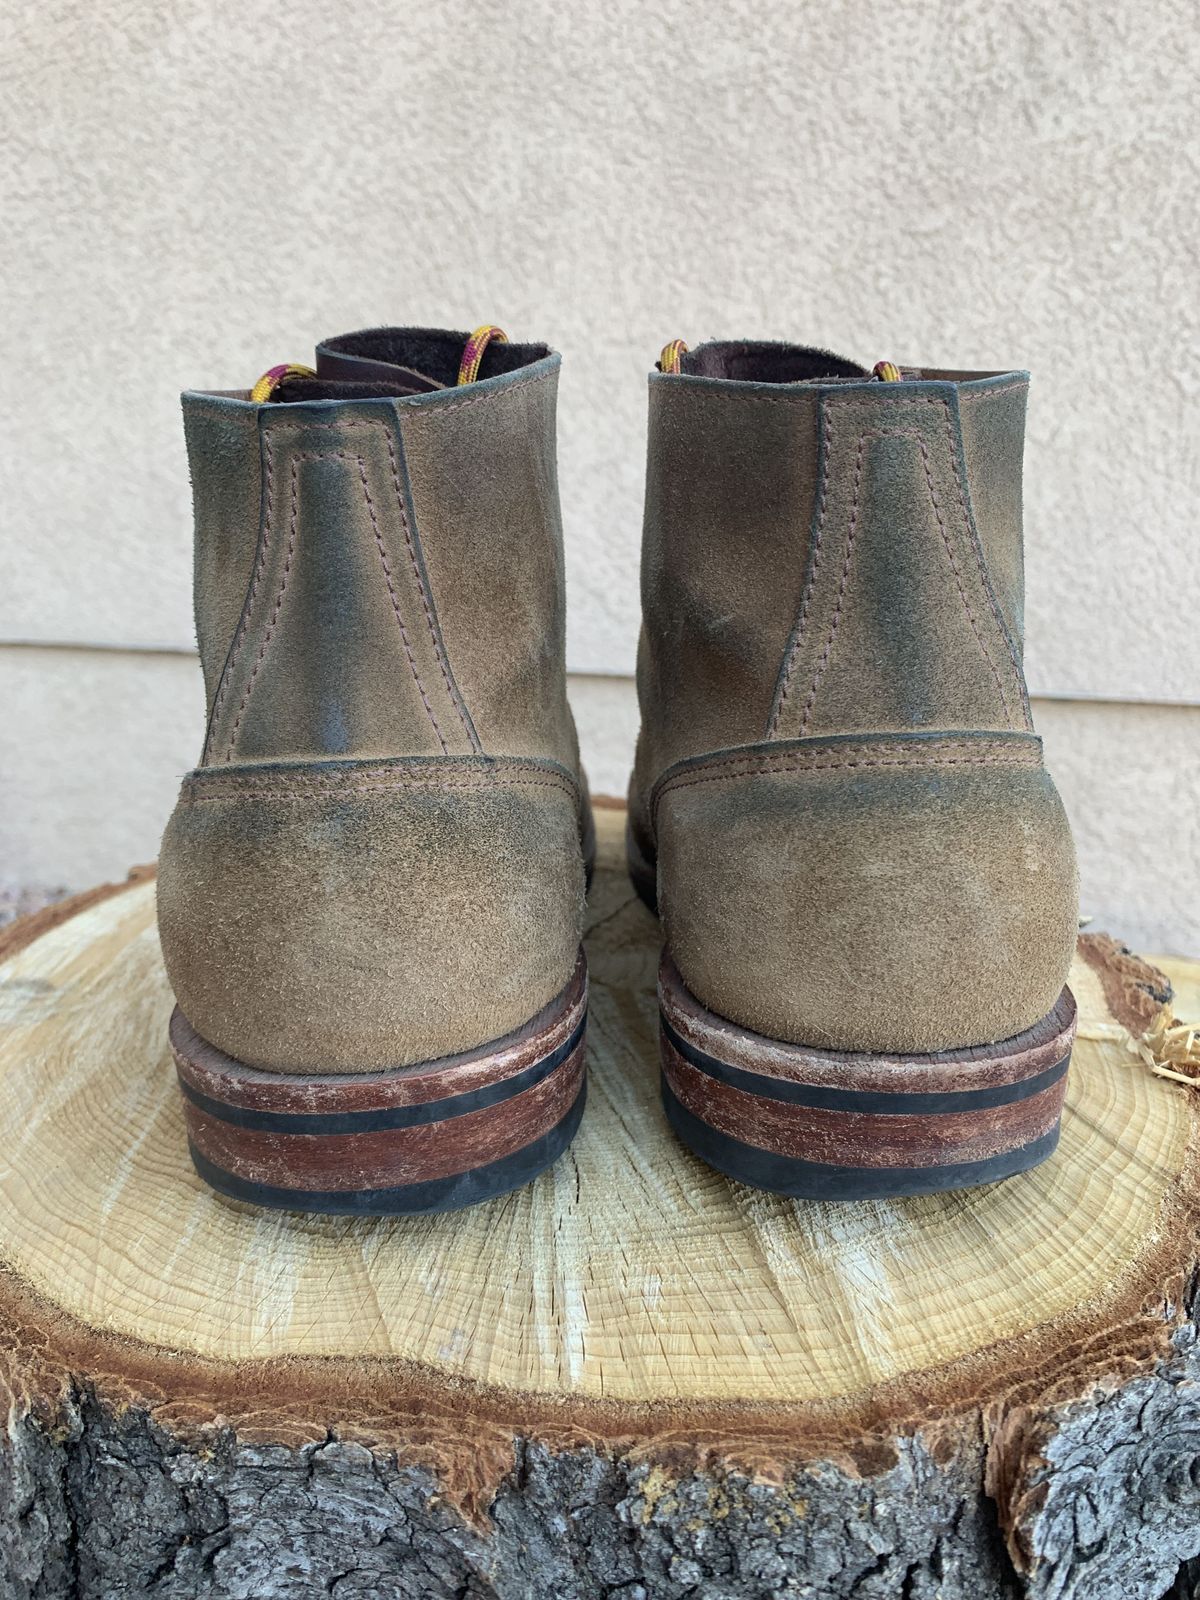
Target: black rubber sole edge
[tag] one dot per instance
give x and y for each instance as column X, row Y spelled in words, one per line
column 814, row 1180
column 451, row 1193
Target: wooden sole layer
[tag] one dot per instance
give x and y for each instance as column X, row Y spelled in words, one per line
column 431, row 1137
column 828, row 1125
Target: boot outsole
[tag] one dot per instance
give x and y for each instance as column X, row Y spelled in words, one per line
column 435, row 1136
column 827, row 1125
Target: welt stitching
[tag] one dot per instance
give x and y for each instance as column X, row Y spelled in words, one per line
column 248, row 609
column 262, row 649
column 949, row 544
column 818, row 536
column 391, row 588
column 455, row 699
column 823, row 662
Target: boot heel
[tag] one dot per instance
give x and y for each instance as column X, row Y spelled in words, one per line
column 434, row 1136
column 838, row 1126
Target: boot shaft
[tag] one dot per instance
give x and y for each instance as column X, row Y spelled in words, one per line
column 378, row 565
column 828, row 554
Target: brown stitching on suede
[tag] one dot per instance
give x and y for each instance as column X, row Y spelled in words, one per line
column 262, row 649
column 818, row 536
column 962, row 592
column 981, row 566
column 1021, row 749
column 730, row 391
column 452, row 693
column 908, row 743
column 305, row 788
column 340, row 455
column 260, row 564
column 986, row 394
column 860, row 406
column 839, row 766
column 486, row 770
column 768, row 766
column 327, row 427
column 246, row 783
column 357, row 791
column 451, row 690
column 823, row 662
column 391, row 588
column 816, row 391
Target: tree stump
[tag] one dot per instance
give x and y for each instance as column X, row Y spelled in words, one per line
column 631, row 1379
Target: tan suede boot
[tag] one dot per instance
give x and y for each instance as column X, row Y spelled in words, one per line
column 371, row 889
column 864, row 872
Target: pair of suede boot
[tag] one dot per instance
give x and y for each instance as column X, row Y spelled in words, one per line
column 371, row 889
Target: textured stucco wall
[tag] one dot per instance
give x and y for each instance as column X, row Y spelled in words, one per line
column 191, row 193
column 194, row 192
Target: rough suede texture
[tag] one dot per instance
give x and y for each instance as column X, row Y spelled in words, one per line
column 338, row 651
column 224, row 461
column 730, row 479
column 345, row 917
column 992, row 418
column 483, row 469
column 389, row 894
column 898, row 627
column 920, row 901
column 891, row 895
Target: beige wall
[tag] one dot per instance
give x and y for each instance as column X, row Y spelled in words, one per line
column 191, row 193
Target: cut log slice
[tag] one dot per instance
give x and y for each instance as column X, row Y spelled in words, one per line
column 631, row 1376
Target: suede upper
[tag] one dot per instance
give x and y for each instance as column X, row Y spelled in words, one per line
column 828, row 557
column 354, row 916
column 378, row 860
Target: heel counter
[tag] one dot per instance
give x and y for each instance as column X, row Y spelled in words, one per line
column 881, row 894
column 343, row 917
